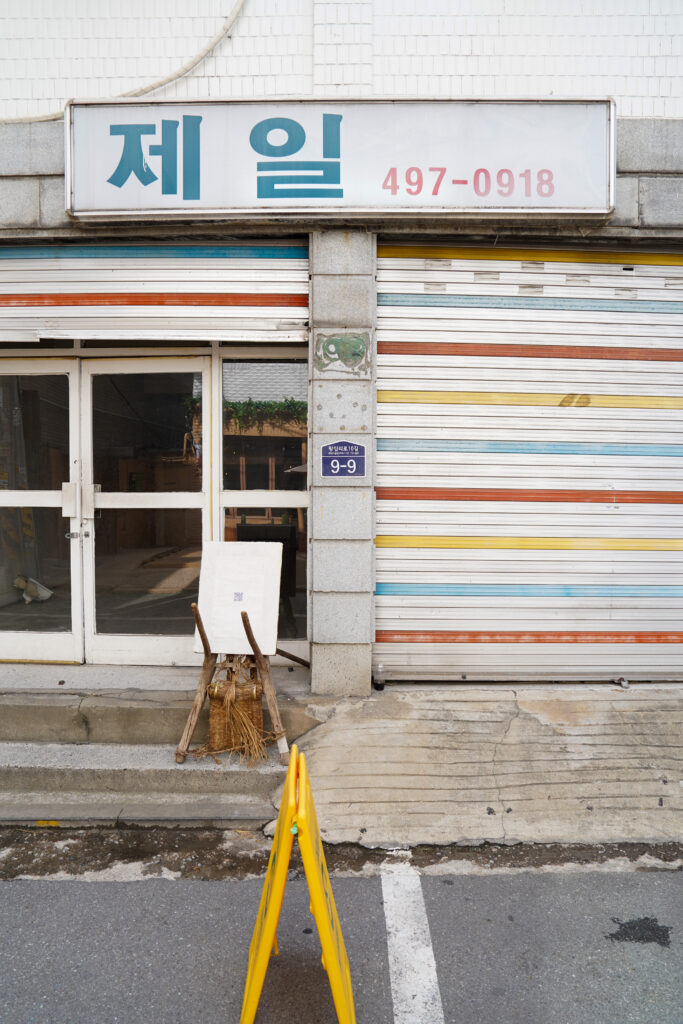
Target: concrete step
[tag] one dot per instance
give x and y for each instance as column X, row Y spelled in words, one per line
column 88, row 744
column 96, row 783
column 130, row 769
column 78, row 810
column 126, row 716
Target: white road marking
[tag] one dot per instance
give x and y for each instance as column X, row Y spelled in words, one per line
column 412, row 968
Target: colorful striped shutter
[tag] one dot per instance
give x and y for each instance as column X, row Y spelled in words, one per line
column 241, row 292
column 529, row 464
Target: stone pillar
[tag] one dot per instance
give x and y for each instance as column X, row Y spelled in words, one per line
column 342, row 517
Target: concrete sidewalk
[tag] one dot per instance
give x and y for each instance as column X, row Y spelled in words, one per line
column 409, row 765
column 472, row 764
column 87, row 745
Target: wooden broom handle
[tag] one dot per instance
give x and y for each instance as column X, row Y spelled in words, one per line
column 200, row 629
column 205, row 677
column 263, row 666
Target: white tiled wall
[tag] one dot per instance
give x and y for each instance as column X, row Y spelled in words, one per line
column 51, row 50
column 343, row 48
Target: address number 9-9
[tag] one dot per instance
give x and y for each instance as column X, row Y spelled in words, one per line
column 349, row 466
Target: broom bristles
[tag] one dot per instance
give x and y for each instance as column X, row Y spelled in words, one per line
column 228, row 719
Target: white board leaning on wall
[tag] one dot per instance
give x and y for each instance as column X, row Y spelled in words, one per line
column 239, row 577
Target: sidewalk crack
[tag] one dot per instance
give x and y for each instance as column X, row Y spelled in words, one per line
column 83, row 718
column 500, row 743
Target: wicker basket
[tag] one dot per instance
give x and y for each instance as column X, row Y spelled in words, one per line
column 236, row 685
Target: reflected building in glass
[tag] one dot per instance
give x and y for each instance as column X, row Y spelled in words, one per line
column 265, row 448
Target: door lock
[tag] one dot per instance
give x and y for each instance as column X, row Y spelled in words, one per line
column 74, row 536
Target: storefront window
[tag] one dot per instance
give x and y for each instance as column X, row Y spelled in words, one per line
column 147, row 431
column 147, row 570
column 265, row 430
column 265, row 448
column 288, row 527
column 34, row 432
column 35, row 573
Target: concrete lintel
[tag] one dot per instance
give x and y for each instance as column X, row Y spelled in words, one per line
column 342, row 670
column 570, row 234
column 661, row 201
column 19, row 203
column 649, row 144
column 52, row 212
column 626, row 205
column 32, row 148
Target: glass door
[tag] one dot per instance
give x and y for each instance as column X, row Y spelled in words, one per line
column 40, row 537
column 145, row 509
column 263, row 441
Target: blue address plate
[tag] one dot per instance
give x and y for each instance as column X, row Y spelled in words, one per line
column 343, row 458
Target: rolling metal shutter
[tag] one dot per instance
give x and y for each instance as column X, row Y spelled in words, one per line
column 529, row 464
column 194, row 293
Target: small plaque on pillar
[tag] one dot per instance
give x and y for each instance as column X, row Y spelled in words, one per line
column 346, row 353
column 343, row 458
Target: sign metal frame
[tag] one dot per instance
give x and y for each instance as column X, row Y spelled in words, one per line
column 279, row 212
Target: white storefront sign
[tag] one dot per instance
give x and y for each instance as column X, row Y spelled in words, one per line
column 329, row 159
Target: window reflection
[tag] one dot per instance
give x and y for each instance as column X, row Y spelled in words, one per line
column 265, row 415
column 34, row 432
column 288, row 526
column 147, row 432
column 147, row 570
column 35, row 573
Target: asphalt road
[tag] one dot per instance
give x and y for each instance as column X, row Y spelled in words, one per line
column 528, row 947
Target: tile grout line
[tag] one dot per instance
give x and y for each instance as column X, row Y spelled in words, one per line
column 412, row 968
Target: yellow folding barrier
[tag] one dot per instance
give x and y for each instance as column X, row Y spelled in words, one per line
column 297, row 817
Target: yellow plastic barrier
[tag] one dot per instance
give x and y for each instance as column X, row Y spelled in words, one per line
column 264, row 937
column 297, row 817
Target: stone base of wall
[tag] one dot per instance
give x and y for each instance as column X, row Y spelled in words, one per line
column 341, row 670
